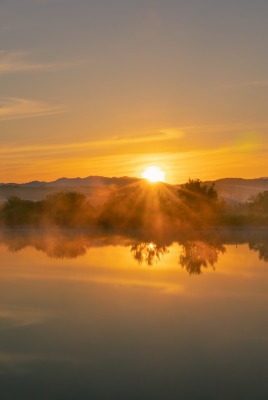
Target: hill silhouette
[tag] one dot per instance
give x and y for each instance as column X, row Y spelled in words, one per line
column 234, row 190
column 98, row 188
column 77, row 182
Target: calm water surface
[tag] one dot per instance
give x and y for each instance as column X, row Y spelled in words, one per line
column 118, row 318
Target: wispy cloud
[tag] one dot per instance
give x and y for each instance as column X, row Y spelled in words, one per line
column 17, row 61
column 263, row 82
column 105, row 143
column 252, row 83
column 14, row 108
column 161, row 135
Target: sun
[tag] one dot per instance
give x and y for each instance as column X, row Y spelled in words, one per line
column 154, row 174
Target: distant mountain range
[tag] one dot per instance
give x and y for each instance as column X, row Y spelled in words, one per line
column 232, row 190
column 238, row 189
column 74, row 182
column 96, row 188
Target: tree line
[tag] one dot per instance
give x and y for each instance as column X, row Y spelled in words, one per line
column 149, row 207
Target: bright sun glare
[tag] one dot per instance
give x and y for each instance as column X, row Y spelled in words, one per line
column 154, row 174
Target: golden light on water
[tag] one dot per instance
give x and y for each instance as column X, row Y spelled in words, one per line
column 154, row 174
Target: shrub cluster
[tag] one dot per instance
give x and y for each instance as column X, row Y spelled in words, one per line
column 140, row 206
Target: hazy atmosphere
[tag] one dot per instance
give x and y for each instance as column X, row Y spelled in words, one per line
column 110, row 87
column 133, row 199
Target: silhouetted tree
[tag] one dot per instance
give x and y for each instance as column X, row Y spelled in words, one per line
column 196, row 192
column 17, row 211
column 68, row 208
column 200, row 202
column 259, row 203
column 124, row 209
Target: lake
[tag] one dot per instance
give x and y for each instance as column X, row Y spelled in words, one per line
column 96, row 316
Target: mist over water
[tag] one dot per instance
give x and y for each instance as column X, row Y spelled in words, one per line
column 195, row 246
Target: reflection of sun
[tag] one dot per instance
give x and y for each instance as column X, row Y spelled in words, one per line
column 154, row 174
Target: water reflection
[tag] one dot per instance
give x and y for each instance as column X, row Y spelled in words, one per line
column 57, row 243
column 196, row 251
column 54, row 247
column 148, row 253
column 199, row 254
column 261, row 248
column 101, row 327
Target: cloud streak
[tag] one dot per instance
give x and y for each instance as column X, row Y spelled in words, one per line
column 14, row 108
column 58, row 149
column 253, row 83
column 14, row 62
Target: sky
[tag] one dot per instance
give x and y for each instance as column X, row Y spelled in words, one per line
column 110, row 87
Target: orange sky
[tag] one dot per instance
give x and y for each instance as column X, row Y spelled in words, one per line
column 109, row 88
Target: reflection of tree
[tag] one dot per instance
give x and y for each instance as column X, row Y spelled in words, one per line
column 55, row 246
column 261, row 248
column 200, row 249
column 66, row 243
column 198, row 254
column 148, row 253
column 61, row 249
